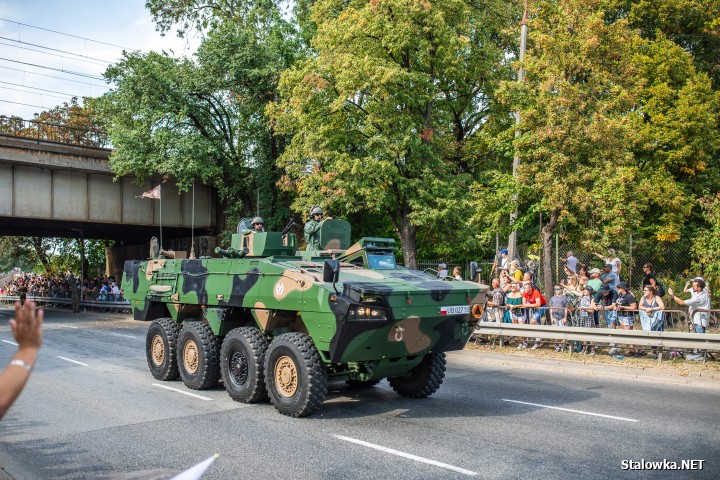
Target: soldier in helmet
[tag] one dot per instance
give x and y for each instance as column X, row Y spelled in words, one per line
column 312, row 228
column 257, row 226
column 75, row 296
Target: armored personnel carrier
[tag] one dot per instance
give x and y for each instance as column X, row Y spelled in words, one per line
column 274, row 322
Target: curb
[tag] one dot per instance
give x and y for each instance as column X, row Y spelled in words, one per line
column 707, row 380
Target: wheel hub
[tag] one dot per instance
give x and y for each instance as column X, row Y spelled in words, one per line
column 286, row 376
column 157, row 347
column 239, row 368
column 190, row 356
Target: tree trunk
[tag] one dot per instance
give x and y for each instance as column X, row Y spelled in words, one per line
column 548, row 232
column 406, row 231
column 37, row 244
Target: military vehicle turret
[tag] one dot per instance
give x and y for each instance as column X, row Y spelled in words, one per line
column 271, row 321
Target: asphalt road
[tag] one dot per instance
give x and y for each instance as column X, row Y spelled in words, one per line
column 92, row 410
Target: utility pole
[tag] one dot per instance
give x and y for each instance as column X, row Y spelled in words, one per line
column 512, row 243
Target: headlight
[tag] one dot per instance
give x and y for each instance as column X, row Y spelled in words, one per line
column 367, row 313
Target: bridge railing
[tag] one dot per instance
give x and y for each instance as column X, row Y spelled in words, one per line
column 55, row 133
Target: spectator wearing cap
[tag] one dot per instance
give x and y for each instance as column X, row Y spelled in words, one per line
column 594, row 280
column 533, row 300
column 700, row 300
column 626, row 304
column 503, row 263
column 442, row 270
column 605, row 301
column 609, row 277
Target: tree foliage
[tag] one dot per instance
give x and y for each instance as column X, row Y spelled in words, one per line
column 202, row 119
column 51, row 255
column 382, row 116
column 614, row 126
column 71, row 122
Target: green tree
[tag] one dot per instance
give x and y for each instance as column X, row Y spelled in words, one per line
column 706, row 243
column 203, row 119
column 694, row 25
column 383, row 115
column 50, row 255
column 614, row 127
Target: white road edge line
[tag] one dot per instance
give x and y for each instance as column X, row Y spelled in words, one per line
column 180, row 391
column 73, row 361
column 11, row 343
column 571, row 410
column 65, row 326
column 408, row 455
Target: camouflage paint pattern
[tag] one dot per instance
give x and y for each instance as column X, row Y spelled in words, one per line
column 416, row 313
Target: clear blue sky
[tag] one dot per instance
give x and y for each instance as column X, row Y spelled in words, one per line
column 33, row 75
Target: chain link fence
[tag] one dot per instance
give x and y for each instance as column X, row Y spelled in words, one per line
column 671, row 261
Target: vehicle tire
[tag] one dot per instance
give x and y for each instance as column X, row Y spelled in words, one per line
column 360, row 384
column 198, row 356
column 160, row 346
column 295, row 376
column 423, row 380
column 242, row 364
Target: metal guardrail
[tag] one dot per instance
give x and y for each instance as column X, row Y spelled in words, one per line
column 705, row 341
column 68, row 301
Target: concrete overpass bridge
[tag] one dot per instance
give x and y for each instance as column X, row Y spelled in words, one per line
column 52, row 189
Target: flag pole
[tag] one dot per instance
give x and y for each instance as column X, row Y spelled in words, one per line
column 161, row 240
column 192, row 226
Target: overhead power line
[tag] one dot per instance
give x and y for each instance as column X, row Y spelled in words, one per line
column 66, row 34
column 42, row 89
column 87, row 60
column 25, row 104
column 69, row 72
column 56, row 77
column 34, row 93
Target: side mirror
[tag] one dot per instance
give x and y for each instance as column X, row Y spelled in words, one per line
column 474, row 272
column 331, row 270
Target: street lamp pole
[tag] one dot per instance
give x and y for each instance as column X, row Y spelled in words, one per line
column 512, row 243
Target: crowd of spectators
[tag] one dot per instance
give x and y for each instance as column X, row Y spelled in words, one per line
column 592, row 298
column 102, row 288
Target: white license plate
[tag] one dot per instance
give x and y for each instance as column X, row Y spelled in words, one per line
column 456, row 310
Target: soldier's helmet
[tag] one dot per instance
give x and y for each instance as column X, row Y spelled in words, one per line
column 257, row 220
column 316, row 210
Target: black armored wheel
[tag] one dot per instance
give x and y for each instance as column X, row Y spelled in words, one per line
column 242, row 360
column 423, row 380
column 360, row 384
column 295, row 376
column 198, row 356
column 160, row 345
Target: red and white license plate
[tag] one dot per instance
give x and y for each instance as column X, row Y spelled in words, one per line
column 455, row 310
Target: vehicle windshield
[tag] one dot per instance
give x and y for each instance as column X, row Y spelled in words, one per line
column 381, row 261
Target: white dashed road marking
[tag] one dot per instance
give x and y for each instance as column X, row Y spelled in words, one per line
column 181, row 391
column 65, row 326
column 11, row 343
column 571, row 410
column 73, row 361
column 408, row 455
